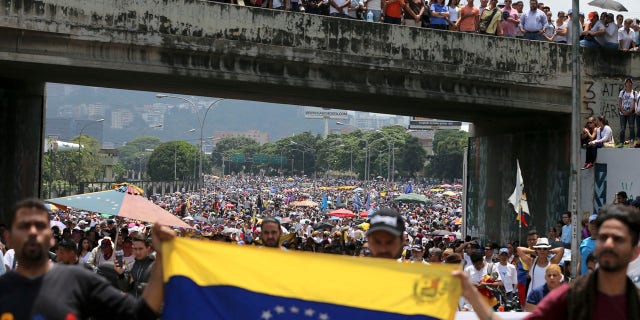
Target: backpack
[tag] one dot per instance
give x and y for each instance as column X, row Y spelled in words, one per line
column 484, row 24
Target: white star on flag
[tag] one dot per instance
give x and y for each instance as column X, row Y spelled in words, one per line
column 309, row 312
column 294, row 309
column 279, row 309
column 266, row 315
column 323, row 316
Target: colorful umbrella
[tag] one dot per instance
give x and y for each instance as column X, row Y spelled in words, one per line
column 342, row 213
column 124, row 202
column 305, row 203
column 412, row 198
column 458, row 221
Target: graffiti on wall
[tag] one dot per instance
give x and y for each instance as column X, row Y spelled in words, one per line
column 601, row 97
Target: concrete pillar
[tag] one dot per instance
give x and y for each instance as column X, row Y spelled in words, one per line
column 22, row 127
column 491, row 177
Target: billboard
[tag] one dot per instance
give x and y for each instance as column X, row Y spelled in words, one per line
column 322, row 113
column 418, row 123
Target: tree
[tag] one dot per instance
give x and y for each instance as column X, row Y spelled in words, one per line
column 233, row 145
column 412, row 157
column 88, row 167
column 135, row 149
column 172, row 160
column 448, row 148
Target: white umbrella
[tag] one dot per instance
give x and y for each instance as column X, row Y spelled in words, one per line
column 608, row 5
column 59, row 224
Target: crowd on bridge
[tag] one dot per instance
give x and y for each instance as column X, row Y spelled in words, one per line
column 493, row 17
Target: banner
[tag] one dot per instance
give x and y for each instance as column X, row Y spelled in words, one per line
column 215, row 280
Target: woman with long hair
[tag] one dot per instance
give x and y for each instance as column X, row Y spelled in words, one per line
column 84, row 250
column 604, row 138
column 454, row 13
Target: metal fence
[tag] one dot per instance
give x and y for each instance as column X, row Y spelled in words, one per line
column 63, row 189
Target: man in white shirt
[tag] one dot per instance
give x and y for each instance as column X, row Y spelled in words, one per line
column 507, row 273
column 479, row 269
column 626, row 36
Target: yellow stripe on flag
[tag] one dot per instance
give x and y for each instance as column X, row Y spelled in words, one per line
column 367, row 283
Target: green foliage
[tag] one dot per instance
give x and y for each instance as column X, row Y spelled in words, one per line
column 131, row 154
column 448, row 148
column 174, row 159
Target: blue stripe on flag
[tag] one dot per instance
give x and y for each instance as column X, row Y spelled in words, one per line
column 227, row 302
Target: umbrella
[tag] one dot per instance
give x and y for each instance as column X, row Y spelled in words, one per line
column 335, row 218
column 458, row 221
column 59, row 224
column 51, row 207
column 200, row 218
column 449, row 193
column 412, row 197
column 608, row 5
column 284, row 220
column 229, row 205
column 441, row 233
column 365, row 226
column 322, row 226
column 342, row 213
column 305, row 203
column 124, row 202
column 363, row 214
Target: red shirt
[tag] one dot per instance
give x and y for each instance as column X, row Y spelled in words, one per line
column 554, row 306
column 394, row 9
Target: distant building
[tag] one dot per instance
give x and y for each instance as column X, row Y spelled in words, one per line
column 65, row 129
column 121, row 118
column 257, row 135
column 372, row 121
column 95, row 111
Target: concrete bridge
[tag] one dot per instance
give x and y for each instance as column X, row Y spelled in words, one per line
column 517, row 93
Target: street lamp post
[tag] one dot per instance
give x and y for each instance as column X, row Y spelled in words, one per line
column 175, row 158
column 366, row 149
column 200, row 120
column 303, row 149
column 80, row 141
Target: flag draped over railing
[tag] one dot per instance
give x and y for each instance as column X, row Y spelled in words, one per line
column 519, row 198
column 248, row 283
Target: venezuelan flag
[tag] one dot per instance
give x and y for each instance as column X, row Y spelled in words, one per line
column 214, row 280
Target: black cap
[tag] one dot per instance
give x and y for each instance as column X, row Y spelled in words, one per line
column 68, row 244
column 388, row 220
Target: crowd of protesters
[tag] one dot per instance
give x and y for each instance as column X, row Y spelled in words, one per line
column 494, row 17
column 232, row 208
